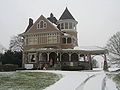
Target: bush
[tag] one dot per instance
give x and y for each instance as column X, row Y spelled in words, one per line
column 8, row 67
column 72, row 68
column 12, row 58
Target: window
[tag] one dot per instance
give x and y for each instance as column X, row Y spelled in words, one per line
column 41, row 25
column 70, row 25
column 63, row 40
column 52, row 39
column 45, row 24
column 66, row 25
column 74, row 26
column 69, row 40
column 62, row 26
column 38, row 25
column 32, row 40
column 32, row 57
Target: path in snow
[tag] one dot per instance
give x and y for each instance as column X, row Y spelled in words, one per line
column 96, row 83
column 74, row 80
column 81, row 86
column 84, row 80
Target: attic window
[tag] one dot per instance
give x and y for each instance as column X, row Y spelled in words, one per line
column 42, row 25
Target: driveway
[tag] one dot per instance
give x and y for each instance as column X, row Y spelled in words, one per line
column 82, row 80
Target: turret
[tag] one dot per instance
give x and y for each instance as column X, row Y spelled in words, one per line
column 67, row 24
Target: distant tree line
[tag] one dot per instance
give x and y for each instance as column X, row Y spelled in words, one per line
column 14, row 54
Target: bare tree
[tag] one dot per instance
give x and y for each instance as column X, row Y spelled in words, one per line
column 16, row 43
column 113, row 45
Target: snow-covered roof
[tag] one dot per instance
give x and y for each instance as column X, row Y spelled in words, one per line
column 88, row 48
column 65, row 34
column 84, row 49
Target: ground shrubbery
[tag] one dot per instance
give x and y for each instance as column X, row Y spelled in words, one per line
column 10, row 57
column 26, row 80
column 8, row 67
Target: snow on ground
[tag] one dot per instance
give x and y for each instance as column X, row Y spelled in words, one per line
column 81, row 80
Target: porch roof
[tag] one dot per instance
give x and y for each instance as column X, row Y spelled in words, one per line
column 82, row 49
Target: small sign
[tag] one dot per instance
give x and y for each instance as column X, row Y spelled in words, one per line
column 28, row 66
column 71, row 63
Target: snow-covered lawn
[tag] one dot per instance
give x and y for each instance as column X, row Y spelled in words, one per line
column 26, row 80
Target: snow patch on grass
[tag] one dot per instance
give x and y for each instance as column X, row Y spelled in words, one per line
column 26, row 80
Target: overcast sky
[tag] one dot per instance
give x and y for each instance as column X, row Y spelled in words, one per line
column 97, row 19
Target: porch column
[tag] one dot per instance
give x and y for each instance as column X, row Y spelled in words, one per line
column 39, row 56
column 48, row 57
column 23, row 59
column 60, row 57
column 84, row 57
column 57, row 57
column 105, row 67
column 79, row 57
column 90, row 61
column 66, row 40
column 69, row 57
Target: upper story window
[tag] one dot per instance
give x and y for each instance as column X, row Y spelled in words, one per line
column 69, row 40
column 42, row 25
column 62, row 25
column 66, row 25
column 70, row 25
column 64, row 40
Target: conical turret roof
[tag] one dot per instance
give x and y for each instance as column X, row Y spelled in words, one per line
column 66, row 15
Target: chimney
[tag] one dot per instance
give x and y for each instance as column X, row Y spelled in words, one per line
column 30, row 24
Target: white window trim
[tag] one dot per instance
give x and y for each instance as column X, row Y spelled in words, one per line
column 44, row 27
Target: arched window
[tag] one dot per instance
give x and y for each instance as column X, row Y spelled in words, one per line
column 63, row 40
column 74, row 57
column 69, row 40
column 65, row 57
column 52, row 58
column 44, row 57
column 41, row 24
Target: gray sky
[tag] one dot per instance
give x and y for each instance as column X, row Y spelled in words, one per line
column 97, row 19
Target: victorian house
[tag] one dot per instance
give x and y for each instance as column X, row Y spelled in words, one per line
column 53, row 43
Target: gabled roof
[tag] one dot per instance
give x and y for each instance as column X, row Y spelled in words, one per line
column 50, row 27
column 66, row 15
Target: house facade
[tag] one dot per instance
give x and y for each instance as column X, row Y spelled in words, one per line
column 49, row 42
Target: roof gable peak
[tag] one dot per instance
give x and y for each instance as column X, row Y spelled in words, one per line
column 66, row 15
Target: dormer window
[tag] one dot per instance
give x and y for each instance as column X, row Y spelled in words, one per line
column 42, row 25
